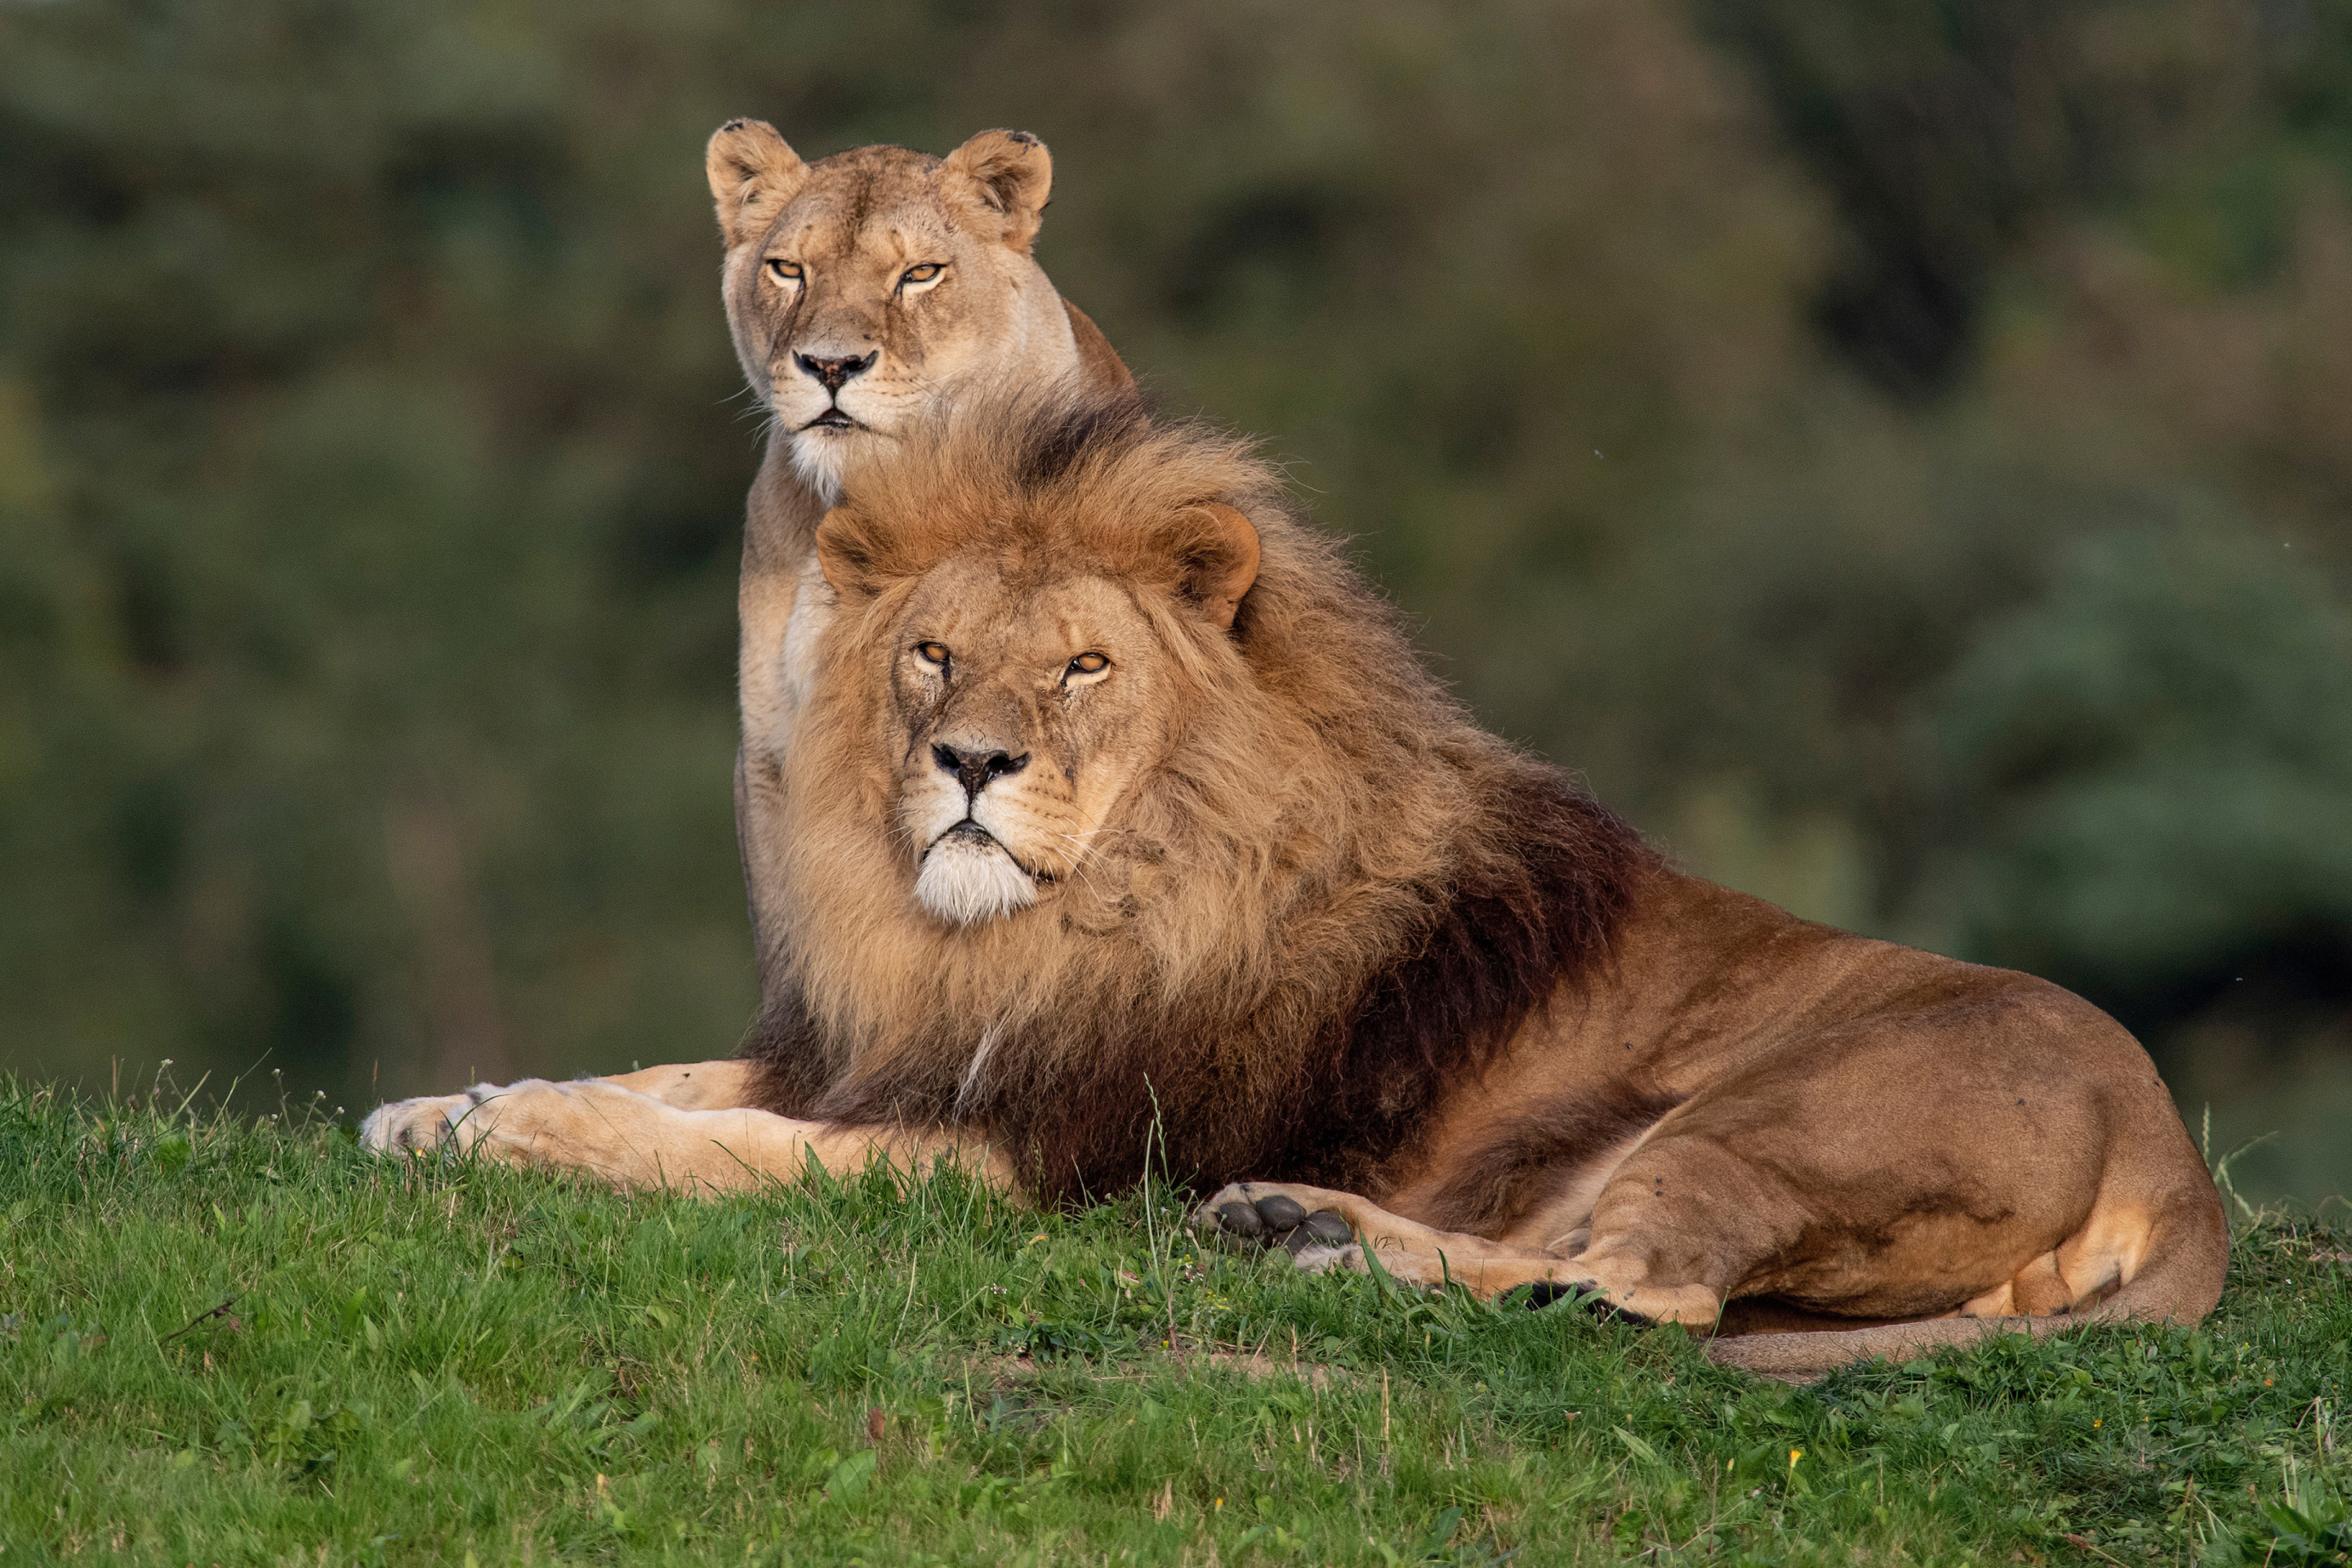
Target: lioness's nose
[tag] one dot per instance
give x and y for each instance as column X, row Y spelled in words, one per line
column 974, row 768
column 834, row 373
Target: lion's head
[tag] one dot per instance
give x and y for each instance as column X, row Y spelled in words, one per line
column 1024, row 693
column 1118, row 794
column 870, row 287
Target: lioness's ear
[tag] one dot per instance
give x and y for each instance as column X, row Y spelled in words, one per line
column 1219, row 561
column 843, row 553
column 1015, row 174
column 753, row 175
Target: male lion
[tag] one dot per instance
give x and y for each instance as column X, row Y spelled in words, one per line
column 865, row 292
column 1119, row 800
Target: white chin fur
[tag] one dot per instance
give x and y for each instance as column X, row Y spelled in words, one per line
column 966, row 880
column 816, row 459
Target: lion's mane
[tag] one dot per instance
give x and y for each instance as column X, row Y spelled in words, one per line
column 1335, row 893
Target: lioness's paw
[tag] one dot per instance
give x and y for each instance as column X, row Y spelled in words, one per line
column 431, row 1121
column 1246, row 1218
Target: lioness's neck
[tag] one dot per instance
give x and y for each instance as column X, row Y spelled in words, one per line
column 780, row 515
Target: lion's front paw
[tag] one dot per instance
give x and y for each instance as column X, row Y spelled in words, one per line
column 1246, row 1218
column 431, row 1121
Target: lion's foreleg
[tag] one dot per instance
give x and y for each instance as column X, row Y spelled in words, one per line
column 426, row 1121
column 602, row 1128
column 691, row 1086
column 631, row 1139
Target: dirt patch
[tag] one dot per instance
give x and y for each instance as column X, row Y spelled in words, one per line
column 1254, row 1364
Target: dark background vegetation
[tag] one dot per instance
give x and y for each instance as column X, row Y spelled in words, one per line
column 1901, row 451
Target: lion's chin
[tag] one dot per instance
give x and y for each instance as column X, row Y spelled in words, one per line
column 968, row 877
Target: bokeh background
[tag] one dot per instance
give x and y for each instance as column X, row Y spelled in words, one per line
column 1900, row 450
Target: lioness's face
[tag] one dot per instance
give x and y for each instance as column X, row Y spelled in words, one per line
column 1021, row 718
column 868, row 289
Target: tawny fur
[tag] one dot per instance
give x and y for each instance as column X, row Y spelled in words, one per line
column 1300, row 925
column 852, row 227
column 1302, row 813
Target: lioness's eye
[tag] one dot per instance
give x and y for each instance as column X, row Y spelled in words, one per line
column 922, row 272
column 1087, row 664
column 783, row 271
column 934, row 654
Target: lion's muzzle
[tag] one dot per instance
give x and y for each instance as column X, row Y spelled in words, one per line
column 968, row 877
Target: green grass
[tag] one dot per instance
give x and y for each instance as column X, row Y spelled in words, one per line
column 237, row 1342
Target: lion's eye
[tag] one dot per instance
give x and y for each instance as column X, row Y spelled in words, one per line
column 782, row 271
column 922, row 272
column 1087, row 664
column 934, row 654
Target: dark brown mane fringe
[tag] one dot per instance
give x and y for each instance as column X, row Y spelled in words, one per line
column 1531, row 915
column 1092, row 425
column 789, row 1054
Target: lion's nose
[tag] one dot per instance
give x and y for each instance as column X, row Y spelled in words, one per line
column 974, row 768
column 835, row 373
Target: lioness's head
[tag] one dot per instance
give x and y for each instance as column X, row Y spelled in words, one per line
column 1026, row 669
column 875, row 286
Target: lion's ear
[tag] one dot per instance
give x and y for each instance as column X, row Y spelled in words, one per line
column 846, row 552
column 753, row 173
column 1015, row 175
column 1219, row 561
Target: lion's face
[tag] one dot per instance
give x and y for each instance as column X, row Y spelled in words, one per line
column 1018, row 701
column 1021, row 719
column 869, row 288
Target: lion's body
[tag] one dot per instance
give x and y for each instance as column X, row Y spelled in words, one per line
column 1818, row 1130
column 1123, row 817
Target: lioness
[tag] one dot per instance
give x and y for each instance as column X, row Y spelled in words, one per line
column 1118, row 798
column 865, row 292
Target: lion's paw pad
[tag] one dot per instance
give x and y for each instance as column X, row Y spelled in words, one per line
column 1275, row 1221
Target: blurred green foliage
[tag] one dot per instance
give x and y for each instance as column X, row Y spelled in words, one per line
column 1901, row 451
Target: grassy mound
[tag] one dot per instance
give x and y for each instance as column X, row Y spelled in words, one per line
column 230, row 1341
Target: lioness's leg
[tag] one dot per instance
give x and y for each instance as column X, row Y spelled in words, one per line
column 631, row 1139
